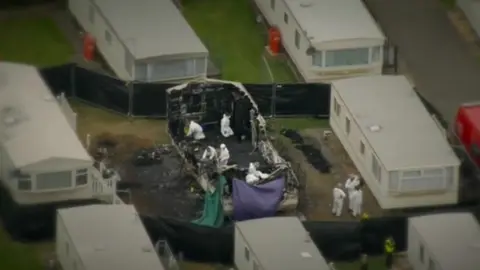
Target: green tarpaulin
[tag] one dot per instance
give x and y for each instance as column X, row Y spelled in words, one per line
column 213, row 215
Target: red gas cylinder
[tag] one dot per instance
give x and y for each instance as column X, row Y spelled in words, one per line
column 274, row 40
column 88, row 47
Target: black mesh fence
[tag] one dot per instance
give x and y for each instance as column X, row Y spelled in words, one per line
column 139, row 99
column 338, row 241
column 5, row 4
column 150, row 99
column 102, row 90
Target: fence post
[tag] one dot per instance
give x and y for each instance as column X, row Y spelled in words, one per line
column 274, row 96
column 166, row 104
column 73, row 81
column 395, row 57
column 131, row 88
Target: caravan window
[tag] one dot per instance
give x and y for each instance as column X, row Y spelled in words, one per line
column 200, row 65
column 362, row 148
column 347, row 57
column 24, row 182
column 421, row 253
column 247, row 254
column 91, row 14
column 128, row 62
column 376, row 169
column 141, row 72
column 81, row 177
column 347, row 125
column 108, row 37
column 172, row 69
column 317, row 59
column 54, row 180
column 376, row 54
column 67, row 249
column 297, row 39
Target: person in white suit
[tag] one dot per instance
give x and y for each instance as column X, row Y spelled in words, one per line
column 338, row 199
column 352, row 182
column 254, row 175
column 225, row 128
column 209, row 153
column 195, row 131
column 357, row 201
column 224, row 156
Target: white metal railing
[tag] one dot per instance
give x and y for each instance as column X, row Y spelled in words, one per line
column 166, row 255
column 105, row 188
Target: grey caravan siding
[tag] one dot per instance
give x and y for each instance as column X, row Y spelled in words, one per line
column 108, row 42
column 288, row 28
column 321, row 25
column 444, row 242
column 130, row 34
column 263, row 244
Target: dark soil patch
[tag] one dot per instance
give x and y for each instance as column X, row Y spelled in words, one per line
column 159, row 187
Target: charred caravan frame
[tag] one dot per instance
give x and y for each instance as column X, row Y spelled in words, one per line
column 205, row 101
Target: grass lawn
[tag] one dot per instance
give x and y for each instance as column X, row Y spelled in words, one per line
column 449, row 4
column 375, row 263
column 96, row 121
column 227, row 27
column 17, row 256
column 235, row 41
column 35, row 41
column 297, row 123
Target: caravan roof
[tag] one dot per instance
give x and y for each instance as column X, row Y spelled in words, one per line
column 281, row 243
column 395, row 122
column 453, row 239
column 110, row 237
column 330, row 20
column 151, row 28
column 33, row 127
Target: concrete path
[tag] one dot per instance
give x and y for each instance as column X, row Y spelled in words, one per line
column 444, row 70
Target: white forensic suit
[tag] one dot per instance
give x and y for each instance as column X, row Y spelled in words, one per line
column 225, row 128
column 254, row 175
column 224, row 156
column 338, row 199
column 195, row 130
column 357, row 201
column 209, row 153
column 352, row 182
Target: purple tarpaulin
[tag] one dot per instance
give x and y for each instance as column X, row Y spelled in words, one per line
column 251, row 202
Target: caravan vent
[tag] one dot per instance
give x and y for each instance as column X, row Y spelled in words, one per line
column 9, row 120
column 48, row 98
column 305, row 255
column 306, row 4
column 147, row 249
column 375, row 128
column 11, row 116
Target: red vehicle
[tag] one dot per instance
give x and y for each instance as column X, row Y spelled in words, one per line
column 466, row 143
column 467, row 130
